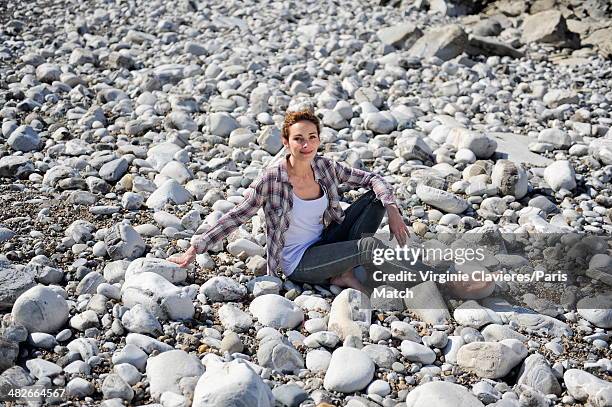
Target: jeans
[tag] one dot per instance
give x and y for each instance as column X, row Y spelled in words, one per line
column 348, row 245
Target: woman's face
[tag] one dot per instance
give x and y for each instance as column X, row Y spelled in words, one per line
column 303, row 140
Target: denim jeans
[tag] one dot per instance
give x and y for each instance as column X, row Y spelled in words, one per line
column 348, row 245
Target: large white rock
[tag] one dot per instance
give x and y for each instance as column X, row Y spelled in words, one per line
column 276, row 311
column 560, row 174
column 491, row 360
column 441, row 394
column 443, row 200
column 472, row 314
column 351, row 313
column 415, row 352
column 163, row 298
column 349, row 370
column 165, row 268
column 231, row 384
column 223, row 288
column 244, row 245
column 584, row 386
column 169, row 192
column 165, row 370
column 41, row 309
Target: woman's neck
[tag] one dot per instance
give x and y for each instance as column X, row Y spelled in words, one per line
column 298, row 168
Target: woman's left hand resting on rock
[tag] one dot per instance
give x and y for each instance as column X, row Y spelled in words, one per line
column 184, row 259
column 397, row 227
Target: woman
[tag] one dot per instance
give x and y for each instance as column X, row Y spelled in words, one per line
column 309, row 237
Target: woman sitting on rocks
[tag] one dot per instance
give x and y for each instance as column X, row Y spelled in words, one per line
column 309, row 236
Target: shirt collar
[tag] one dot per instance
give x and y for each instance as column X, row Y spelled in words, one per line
column 283, row 176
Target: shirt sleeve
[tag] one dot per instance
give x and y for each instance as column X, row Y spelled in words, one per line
column 240, row 214
column 360, row 178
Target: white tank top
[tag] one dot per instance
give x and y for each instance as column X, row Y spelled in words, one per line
column 305, row 228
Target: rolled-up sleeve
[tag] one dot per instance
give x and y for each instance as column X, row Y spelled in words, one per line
column 254, row 198
column 360, row 178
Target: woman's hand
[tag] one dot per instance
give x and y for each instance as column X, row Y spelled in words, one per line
column 184, row 259
column 396, row 225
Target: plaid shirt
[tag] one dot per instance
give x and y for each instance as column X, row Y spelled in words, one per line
column 272, row 190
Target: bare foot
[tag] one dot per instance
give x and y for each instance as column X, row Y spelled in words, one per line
column 348, row 280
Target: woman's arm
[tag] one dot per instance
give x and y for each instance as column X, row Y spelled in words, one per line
column 383, row 191
column 254, row 198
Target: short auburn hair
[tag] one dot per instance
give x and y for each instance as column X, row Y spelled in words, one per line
column 296, row 116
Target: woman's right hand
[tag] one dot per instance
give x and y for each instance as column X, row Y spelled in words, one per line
column 184, row 259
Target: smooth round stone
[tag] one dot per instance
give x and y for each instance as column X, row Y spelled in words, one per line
column 277, row 312
column 416, row 352
column 465, row 156
column 379, row 387
column 347, row 379
column 317, row 360
column 41, row 309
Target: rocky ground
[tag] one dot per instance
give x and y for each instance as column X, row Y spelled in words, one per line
column 128, row 128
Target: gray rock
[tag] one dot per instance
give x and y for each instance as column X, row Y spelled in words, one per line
column 113, row 170
column 9, row 351
column 443, row 200
column 41, row 309
column 548, row 27
column 537, row 374
column 317, row 360
column 25, row 139
column 114, row 387
column 383, row 356
column 380, row 122
column 443, row 42
column 40, row 368
column 124, row 243
column 289, row 395
column 221, row 124
column 79, row 388
column 557, row 137
column 277, row 354
column 401, row 36
column 170, row 192
column 491, row 360
column 15, row 166
column 223, row 289
column 141, row 320
column 165, row 268
column 157, row 294
column 510, row 178
column 14, row 281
